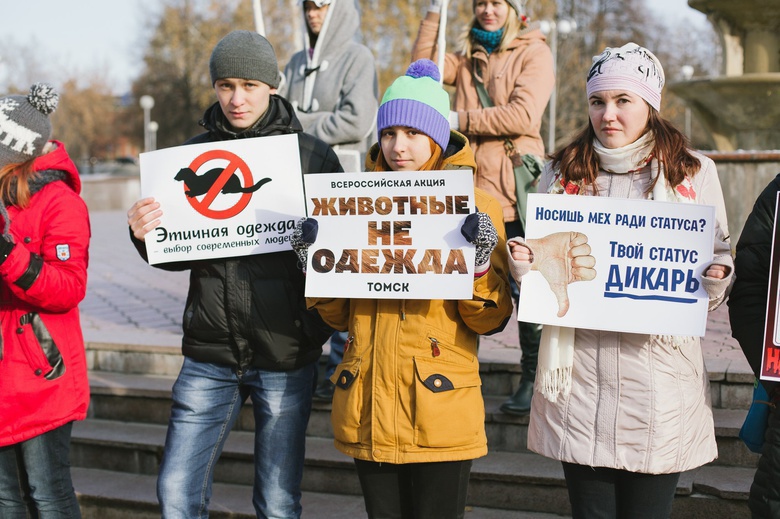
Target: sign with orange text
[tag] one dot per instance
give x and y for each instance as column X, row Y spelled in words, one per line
column 223, row 199
column 617, row 264
column 390, row 235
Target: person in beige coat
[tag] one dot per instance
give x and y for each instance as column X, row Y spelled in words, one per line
column 507, row 56
column 632, row 410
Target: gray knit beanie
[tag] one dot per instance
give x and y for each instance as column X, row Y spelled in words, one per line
column 244, row 55
column 24, row 123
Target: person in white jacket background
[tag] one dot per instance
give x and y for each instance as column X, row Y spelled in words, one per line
column 635, row 412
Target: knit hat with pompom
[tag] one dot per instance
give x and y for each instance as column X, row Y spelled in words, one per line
column 418, row 101
column 24, row 123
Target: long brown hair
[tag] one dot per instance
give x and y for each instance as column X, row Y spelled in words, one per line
column 14, row 182
column 433, row 163
column 578, row 161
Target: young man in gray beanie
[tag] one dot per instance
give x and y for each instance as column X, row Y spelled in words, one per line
column 247, row 332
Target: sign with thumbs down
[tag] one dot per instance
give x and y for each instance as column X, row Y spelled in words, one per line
column 617, row 264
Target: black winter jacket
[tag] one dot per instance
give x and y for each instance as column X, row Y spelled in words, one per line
column 747, row 313
column 748, row 299
column 250, row 310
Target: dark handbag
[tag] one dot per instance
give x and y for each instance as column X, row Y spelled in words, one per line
column 527, row 167
column 754, row 427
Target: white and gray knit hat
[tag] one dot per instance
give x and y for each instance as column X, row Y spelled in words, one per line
column 244, row 55
column 24, row 123
column 631, row 68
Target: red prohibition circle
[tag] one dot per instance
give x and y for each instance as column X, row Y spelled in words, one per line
column 235, row 163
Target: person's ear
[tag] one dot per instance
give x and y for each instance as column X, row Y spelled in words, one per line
column 274, row 91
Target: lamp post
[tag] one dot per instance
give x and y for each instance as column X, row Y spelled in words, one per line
column 147, row 103
column 553, row 27
column 153, row 126
column 687, row 73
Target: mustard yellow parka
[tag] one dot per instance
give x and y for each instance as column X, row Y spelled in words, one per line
column 408, row 389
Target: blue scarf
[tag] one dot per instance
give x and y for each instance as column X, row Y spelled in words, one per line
column 488, row 39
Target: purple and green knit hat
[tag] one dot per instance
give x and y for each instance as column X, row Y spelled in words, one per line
column 418, row 101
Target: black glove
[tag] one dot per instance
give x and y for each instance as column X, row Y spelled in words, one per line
column 305, row 234
column 478, row 229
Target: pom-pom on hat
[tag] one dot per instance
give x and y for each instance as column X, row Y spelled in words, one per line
column 418, row 101
column 24, row 123
column 630, row 67
column 244, row 55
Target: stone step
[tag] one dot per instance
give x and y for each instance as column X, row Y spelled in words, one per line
column 146, row 399
column 731, row 382
column 122, row 495
column 503, row 480
column 141, row 352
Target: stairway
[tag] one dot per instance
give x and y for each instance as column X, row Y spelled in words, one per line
column 116, row 451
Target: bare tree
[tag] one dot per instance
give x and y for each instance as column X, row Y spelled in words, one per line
column 181, row 34
column 86, row 119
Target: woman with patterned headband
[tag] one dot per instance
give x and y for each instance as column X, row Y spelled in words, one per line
column 625, row 413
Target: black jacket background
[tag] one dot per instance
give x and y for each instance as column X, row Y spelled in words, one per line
column 747, row 313
column 250, row 310
column 748, row 299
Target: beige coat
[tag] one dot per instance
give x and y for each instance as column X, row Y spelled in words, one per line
column 519, row 80
column 638, row 402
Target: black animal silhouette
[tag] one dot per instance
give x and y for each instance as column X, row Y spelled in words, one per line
column 200, row 184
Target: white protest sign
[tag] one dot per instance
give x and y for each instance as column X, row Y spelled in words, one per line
column 649, row 259
column 391, row 235
column 223, row 199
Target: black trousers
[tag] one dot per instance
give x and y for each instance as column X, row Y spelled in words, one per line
column 602, row 493
column 414, row 490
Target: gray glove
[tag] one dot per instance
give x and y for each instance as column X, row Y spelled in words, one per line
column 303, row 236
column 478, row 229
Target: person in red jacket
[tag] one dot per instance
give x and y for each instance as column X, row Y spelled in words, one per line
column 43, row 277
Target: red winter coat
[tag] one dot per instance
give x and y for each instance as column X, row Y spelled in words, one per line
column 43, row 371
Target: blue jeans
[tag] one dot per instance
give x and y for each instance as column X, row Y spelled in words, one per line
column 35, row 475
column 207, row 399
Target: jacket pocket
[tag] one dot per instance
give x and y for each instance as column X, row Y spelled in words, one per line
column 447, row 394
column 443, row 346
column 204, row 316
column 39, row 347
column 347, row 401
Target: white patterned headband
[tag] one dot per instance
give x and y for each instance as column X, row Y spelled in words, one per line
column 630, row 67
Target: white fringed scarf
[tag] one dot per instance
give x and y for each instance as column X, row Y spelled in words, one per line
column 556, row 346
